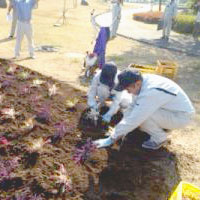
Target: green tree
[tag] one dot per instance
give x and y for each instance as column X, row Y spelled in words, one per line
column 191, row 3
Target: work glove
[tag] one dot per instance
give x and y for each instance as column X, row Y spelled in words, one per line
column 102, row 143
column 106, row 118
column 94, row 107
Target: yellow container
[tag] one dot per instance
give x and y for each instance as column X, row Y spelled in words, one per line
column 144, row 68
column 163, row 68
column 167, row 68
column 185, row 191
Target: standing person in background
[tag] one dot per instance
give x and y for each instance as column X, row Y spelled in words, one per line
column 168, row 17
column 14, row 20
column 116, row 17
column 196, row 30
column 24, row 27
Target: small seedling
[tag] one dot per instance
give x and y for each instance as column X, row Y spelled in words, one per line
column 52, row 90
column 63, row 179
column 23, row 76
column 8, row 113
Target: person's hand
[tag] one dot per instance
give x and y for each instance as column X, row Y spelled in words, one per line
column 102, row 143
column 106, row 118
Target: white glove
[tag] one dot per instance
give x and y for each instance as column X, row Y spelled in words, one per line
column 106, row 118
column 102, row 143
column 94, row 107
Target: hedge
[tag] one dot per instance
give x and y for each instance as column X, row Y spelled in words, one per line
column 184, row 23
column 148, row 17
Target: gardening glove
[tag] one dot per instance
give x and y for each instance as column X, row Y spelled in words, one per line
column 106, row 118
column 102, row 143
column 94, row 107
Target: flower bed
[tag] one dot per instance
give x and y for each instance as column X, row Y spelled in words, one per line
column 148, row 17
column 40, row 158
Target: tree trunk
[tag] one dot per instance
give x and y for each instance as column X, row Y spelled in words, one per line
column 160, row 5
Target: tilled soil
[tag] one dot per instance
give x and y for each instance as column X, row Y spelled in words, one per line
column 40, row 161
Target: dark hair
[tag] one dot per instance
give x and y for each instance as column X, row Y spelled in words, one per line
column 108, row 74
column 128, row 77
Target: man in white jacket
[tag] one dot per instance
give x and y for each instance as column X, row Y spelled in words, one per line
column 168, row 17
column 101, row 89
column 159, row 104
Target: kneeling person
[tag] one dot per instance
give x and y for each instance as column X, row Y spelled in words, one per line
column 102, row 89
column 159, row 104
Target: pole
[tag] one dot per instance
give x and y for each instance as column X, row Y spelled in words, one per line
column 63, row 18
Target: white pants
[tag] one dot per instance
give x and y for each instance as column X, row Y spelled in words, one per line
column 116, row 16
column 167, row 26
column 14, row 22
column 24, row 28
column 164, row 119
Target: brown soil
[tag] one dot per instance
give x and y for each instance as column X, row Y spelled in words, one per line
column 128, row 173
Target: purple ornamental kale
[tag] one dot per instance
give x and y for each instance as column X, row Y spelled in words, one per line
column 6, row 84
column 43, row 114
column 24, row 89
column 59, row 133
column 60, row 129
column 83, row 152
column 7, row 166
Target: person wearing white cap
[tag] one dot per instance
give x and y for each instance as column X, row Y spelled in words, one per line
column 101, row 89
column 159, row 104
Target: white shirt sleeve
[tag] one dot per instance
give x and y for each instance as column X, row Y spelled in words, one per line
column 145, row 105
column 115, row 104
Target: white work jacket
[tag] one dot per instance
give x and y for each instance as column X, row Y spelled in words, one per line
column 99, row 92
column 170, row 11
column 157, row 92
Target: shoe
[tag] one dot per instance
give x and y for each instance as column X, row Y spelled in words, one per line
column 32, row 57
column 10, row 37
column 149, row 144
column 162, row 38
column 15, row 57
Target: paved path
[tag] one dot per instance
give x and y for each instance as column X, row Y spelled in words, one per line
column 147, row 33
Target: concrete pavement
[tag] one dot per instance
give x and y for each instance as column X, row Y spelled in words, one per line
column 147, row 33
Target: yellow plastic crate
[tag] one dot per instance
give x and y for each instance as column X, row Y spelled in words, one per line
column 185, row 191
column 167, row 68
column 163, row 68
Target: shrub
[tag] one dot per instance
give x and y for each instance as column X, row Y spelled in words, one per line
column 148, row 17
column 184, row 23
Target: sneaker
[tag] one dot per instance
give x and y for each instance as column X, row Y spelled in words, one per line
column 152, row 145
column 32, row 57
column 15, row 57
